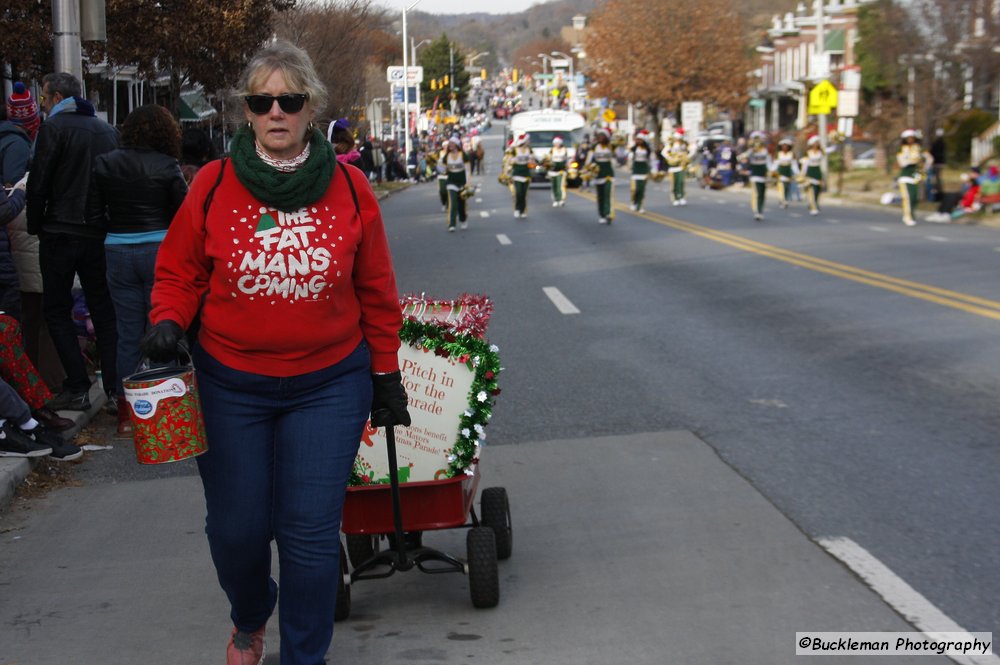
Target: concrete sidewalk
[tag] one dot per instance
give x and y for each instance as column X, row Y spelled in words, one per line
column 643, row 549
column 13, row 470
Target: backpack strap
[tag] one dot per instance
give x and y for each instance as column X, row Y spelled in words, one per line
column 211, row 192
column 354, row 193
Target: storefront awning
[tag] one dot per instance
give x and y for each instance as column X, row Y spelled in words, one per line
column 194, row 107
column 834, row 41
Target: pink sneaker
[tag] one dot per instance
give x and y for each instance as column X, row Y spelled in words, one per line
column 246, row 648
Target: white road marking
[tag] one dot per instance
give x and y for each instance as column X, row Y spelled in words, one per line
column 937, row 238
column 899, row 595
column 833, row 221
column 484, row 213
column 880, row 229
column 722, row 201
column 479, row 200
column 795, row 214
column 502, row 237
column 561, row 302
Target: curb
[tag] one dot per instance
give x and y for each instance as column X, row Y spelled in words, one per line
column 13, row 470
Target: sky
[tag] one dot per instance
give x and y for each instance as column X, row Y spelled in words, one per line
column 465, row 6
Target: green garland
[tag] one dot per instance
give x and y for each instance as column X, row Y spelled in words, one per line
column 479, row 356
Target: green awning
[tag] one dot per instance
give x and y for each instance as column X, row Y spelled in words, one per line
column 194, row 107
column 834, row 42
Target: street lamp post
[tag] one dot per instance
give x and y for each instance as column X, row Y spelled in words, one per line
column 572, row 75
column 545, row 82
column 406, row 90
column 413, row 57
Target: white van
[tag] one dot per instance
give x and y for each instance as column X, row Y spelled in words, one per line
column 542, row 126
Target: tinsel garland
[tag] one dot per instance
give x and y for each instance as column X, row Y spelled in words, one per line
column 460, row 336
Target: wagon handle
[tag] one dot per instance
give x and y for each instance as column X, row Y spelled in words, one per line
column 403, row 562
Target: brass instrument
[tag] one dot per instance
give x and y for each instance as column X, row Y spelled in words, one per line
column 658, row 176
column 504, row 178
column 467, row 192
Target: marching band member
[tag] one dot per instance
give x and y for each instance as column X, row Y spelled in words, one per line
column 520, row 162
column 601, row 160
column 455, row 162
column 812, row 167
column 758, row 161
column 787, row 168
column 557, row 159
column 639, row 158
column 911, row 160
column 678, row 160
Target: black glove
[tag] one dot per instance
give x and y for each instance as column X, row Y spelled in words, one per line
column 162, row 342
column 389, row 400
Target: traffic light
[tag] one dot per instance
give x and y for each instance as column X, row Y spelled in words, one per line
column 513, row 76
column 482, row 74
column 434, row 84
column 446, row 79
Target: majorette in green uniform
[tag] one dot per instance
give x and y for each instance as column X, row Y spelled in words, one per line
column 786, row 168
column 557, row 159
column 640, row 157
column 678, row 159
column 442, row 177
column 520, row 162
column 812, row 171
column 911, row 162
column 456, row 163
column 758, row 162
column 601, row 159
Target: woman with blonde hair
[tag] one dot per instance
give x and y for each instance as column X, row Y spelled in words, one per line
column 282, row 250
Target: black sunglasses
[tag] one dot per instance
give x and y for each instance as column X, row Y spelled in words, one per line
column 289, row 103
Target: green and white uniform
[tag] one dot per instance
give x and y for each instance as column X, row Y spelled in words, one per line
column 758, row 161
column 442, row 178
column 520, row 160
column 604, row 181
column 558, row 159
column 639, row 158
column 812, row 166
column 910, row 158
column 677, row 162
column 455, row 165
column 787, row 168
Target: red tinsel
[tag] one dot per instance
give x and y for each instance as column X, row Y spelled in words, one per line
column 469, row 314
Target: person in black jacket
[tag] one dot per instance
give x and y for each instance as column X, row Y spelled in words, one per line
column 70, row 228
column 140, row 186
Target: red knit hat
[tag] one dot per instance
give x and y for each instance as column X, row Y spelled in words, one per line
column 22, row 110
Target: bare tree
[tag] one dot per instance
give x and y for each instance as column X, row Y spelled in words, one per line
column 342, row 37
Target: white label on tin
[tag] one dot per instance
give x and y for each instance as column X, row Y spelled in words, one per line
column 145, row 400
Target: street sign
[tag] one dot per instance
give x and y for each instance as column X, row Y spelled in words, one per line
column 822, row 98
column 560, row 62
column 397, row 94
column 847, row 103
column 395, row 75
column 692, row 115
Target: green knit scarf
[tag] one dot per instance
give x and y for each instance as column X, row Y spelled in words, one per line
column 285, row 191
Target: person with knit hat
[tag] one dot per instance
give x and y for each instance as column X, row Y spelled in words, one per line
column 786, row 168
column 812, row 172
column 557, row 159
column 456, row 170
column 758, row 162
column 678, row 158
column 23, row 111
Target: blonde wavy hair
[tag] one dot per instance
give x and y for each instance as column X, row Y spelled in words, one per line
column 296, row 66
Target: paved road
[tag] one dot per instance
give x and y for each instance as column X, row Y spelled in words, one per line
column 830, row 405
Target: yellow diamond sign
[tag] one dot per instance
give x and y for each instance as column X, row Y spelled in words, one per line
column 822, row 98
column 608, row 115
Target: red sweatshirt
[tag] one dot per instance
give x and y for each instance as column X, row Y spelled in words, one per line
column 284, row 293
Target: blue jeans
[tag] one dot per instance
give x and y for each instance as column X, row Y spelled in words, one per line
column 130, row 280
column 280, row 452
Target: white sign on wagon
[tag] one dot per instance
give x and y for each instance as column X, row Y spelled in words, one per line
column 438, row 390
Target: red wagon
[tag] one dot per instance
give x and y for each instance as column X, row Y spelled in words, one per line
column 384, row 524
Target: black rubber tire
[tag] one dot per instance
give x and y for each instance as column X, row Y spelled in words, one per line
column 484, row 578
column 343, row 608
column 360, row 548
column 495, row 510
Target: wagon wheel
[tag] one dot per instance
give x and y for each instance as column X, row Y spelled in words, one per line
column 484, row 579
column 360, row 548
column 495, row 510
column 343, row 609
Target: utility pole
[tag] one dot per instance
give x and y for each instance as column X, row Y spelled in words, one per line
column 823, row 74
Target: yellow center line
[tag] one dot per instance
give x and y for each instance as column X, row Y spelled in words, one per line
column 961, row 301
